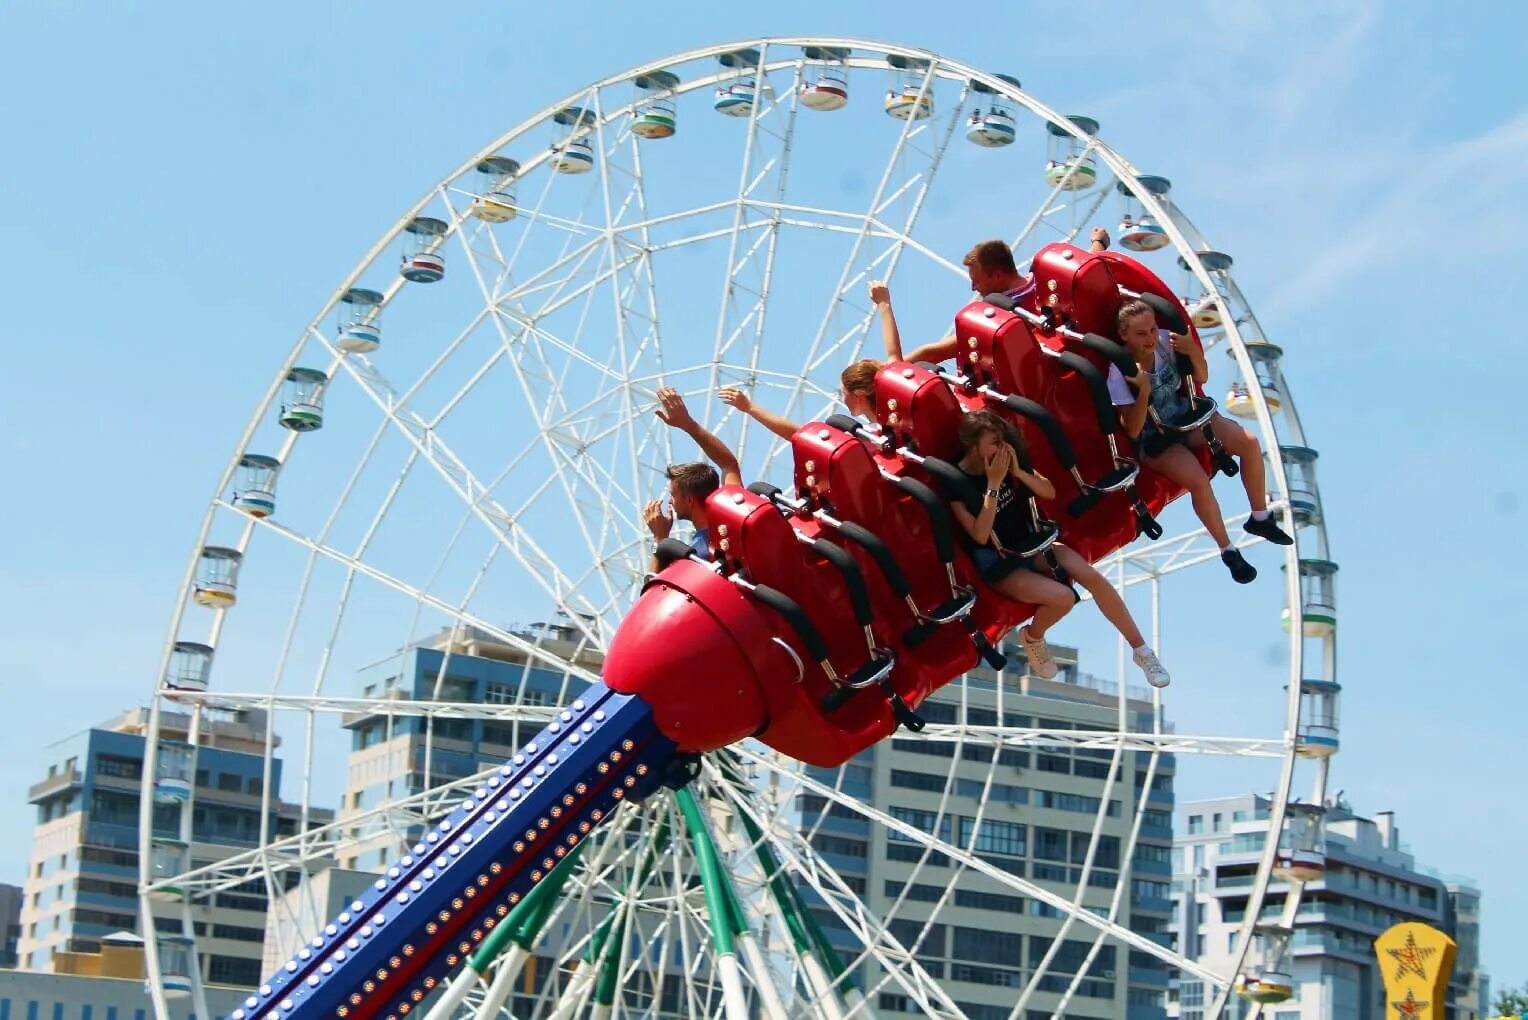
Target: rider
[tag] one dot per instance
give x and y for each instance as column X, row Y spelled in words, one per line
column 992, row 270
column 990, row 462
column 689, row 484
column 858, row 380
column 1169, row 453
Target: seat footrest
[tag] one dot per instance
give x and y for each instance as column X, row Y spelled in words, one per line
column 1085, row 501
column 1119, row 478
column 1040, row 541
column 871, row 673
column 956, row 607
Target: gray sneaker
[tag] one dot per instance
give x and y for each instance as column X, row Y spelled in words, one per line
column 1156, row 673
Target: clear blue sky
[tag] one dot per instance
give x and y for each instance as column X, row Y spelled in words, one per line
column 169, row 169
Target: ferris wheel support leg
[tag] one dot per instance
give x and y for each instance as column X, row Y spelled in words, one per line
column 576, row 994
column 455, row 994
column 806, row 938
column 503, row 982
column 824, row 996
column 763, row 981
column 721, row 906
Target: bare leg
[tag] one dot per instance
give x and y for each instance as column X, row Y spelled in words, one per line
column 1105, row 596
column 1243, row 445
column 1182, row 468
column 1052, row 599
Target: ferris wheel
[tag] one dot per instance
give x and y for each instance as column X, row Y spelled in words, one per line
column 463, row 437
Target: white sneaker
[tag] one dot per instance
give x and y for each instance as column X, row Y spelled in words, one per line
column 1156, row 673
column 1038, row 653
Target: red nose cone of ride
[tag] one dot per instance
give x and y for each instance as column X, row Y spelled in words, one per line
column 689, row 649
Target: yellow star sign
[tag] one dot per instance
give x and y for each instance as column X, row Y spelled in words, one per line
column 1411, row 957
column 1415, row 960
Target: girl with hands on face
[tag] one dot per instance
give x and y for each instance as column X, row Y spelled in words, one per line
column 990, row 461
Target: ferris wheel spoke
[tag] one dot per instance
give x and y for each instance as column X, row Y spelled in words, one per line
column 980, row 866
column 628, row 350
column 321, row 842
column 754, row 172
column 1171, row 743
column 397, row 584
column 1145, row 561
column 432, row 447
column 1117, row 899
column 1123, row 869
column 879, row 945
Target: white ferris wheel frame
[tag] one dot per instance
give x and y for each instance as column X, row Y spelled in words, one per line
column 1148, row 564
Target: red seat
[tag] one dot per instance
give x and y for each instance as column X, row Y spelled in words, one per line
column 1076, row 286
column 840, row 475
column 921, row 413
column 752, row 538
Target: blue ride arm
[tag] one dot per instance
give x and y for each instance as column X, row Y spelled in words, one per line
column 432, row 909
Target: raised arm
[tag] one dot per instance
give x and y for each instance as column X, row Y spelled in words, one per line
column 935, row 352
column 880, row 297
column 939, row 350
column 673, row 412
column 779, row 425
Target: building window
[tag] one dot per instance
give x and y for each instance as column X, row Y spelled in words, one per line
column 121, row 768
column 994, row 837
column 1219, row 823
column 829, row 844
column 454, row 688
column 232, row 970
column 923, row 820
column 1195, row 824
column 917, row 781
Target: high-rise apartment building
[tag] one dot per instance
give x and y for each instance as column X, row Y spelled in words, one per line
column 986, row 943
column 1367, row 883
column 10, row 924
column 396, row 757
column 82, row 877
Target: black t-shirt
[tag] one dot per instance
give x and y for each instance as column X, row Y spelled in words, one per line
column 1012, row 525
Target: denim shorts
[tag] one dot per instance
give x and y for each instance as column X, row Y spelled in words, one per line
column 994, row 566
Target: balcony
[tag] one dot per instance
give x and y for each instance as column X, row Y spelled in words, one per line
column 54, row 785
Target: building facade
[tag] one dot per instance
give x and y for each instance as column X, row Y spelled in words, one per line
column 1370, row 883
column 986, row 943
column 395, row 757
column 10, row 924
column 83, row 873
column 103, row 985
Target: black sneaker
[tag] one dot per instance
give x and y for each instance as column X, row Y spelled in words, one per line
column 1242, row 572
column 1267, row 528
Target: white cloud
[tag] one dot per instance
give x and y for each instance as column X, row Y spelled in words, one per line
column 1435, row 207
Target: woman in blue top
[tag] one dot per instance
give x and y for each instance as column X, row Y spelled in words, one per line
column 991, row 463
column 1170, row 453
